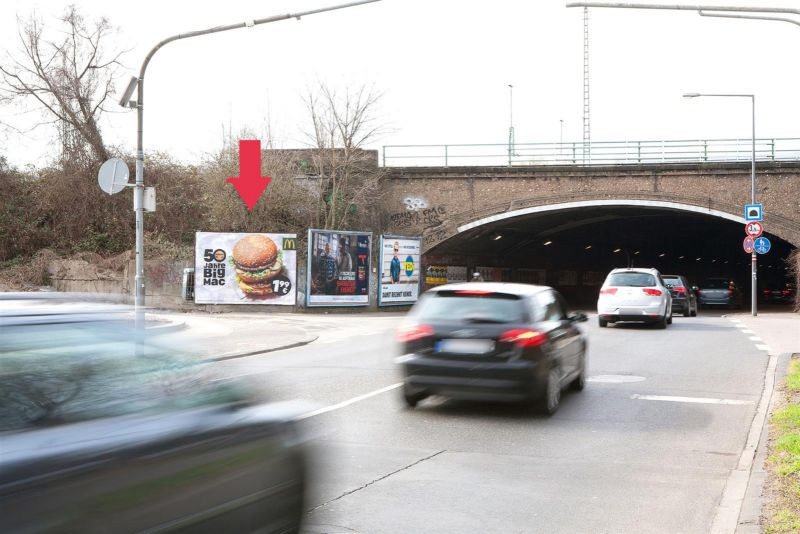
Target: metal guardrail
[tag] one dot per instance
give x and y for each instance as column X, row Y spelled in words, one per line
column 594, row 153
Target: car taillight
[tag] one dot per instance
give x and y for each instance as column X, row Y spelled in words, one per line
column 651, row 292
column 523, row 337
column 787, row 291
column 730, row 292
column 414, row 332
column 609, row 291
column 766, row 291
column 679, row 289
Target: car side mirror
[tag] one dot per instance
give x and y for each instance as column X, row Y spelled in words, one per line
column 578, row 317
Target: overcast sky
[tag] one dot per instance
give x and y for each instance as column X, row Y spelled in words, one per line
column 444, row 67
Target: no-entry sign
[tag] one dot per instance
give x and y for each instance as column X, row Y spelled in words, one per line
column 753, row 229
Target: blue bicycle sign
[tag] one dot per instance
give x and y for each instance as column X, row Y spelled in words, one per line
column 762, row 245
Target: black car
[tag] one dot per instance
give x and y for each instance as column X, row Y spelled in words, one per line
column 684, row 299
column 719, row 292
column 492, row 341
column 778, row 293
column 104, row 429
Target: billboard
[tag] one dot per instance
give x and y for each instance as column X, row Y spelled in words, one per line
column 338, row 267
column 234, row 268
column 400, row 270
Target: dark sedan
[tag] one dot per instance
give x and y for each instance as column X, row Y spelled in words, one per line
column 684, row 299
column 719, row 292
column 492, row 341
column 102, row 429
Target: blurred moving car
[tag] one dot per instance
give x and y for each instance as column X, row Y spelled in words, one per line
column 683, row 296
column 103, row 429
column 778, row 293
column 634, row 294
column 492, row 341
column 719, row 292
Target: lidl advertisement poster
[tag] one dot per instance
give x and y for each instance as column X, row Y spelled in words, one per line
column 339, row 268
column 236, row 268
column 400, row 270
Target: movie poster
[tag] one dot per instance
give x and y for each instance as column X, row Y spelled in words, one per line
column 338, row 267
column 400, row 274
column 233, row 268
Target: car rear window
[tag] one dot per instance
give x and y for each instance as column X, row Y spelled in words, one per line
column 456, row 306
column 716, row 283
column 672, row 282
column 631, row 280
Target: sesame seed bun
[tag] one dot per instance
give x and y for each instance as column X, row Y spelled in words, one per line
column 255, row 252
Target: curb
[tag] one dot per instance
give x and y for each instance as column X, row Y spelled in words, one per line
column 167, row 328
column 749, row 521
column 234, row 355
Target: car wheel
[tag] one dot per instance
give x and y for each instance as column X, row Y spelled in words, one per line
column 580, row 381
column 688, row 311
column 669, row 319
column 548, row 404
column 661, row 323
column 602, row 322
column 694, row 312
column 412, row 399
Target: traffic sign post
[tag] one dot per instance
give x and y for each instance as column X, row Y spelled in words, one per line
column 754, row 229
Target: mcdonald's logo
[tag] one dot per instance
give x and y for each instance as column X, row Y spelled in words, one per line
column 289, row 243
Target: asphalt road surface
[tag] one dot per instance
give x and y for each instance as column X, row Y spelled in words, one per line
column 646, row 447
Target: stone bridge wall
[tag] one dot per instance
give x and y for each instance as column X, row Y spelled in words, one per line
column 435, row 201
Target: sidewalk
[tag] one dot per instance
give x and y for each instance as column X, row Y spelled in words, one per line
column 226, row 336
column 780, row 331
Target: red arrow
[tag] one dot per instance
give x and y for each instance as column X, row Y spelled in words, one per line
column 250, row 184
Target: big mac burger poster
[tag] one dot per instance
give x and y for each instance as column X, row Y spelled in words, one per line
column 233, row 268
column 339, row 268
column 399, row 270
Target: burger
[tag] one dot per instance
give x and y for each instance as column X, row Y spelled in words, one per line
column 257, row 261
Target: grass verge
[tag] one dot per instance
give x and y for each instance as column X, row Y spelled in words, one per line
column 782, row 507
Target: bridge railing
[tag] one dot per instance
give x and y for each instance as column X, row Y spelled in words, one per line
column 594, row 153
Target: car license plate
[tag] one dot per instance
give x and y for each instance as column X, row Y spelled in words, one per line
column 465, row 346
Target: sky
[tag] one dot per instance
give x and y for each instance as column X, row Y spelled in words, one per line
column 442, row 66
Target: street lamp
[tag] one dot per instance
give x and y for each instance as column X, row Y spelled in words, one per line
column 138, row 192
column 754, row 258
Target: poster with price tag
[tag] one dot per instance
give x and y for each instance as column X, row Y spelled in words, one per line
column 400, row 274
column 234, row 268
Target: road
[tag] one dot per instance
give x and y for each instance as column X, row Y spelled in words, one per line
column 646, row 447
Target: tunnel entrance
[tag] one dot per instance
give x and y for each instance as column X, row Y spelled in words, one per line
column 573, row 248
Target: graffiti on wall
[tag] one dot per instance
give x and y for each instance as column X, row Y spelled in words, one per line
column 426, row 217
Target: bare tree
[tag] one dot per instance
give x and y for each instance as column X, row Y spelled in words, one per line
column 349, row 176
column 70, row 78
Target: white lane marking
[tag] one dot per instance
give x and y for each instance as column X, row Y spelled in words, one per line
column 755, row 338
column 763, row 347
column 736, row 320
column 348, row 402
column 615, row 379
column 696, row 400
column 747, row 331
column 730, row 507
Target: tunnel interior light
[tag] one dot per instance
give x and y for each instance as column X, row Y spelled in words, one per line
column 548, row 242
column 587, row 247
column 713, row 261
column 662, row 254
column 497, row 237
column 681, row 257
column 636, row 253
column 698, row 259
column 617, row 250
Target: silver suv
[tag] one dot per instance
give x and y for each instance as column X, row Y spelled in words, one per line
column 634, row 294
